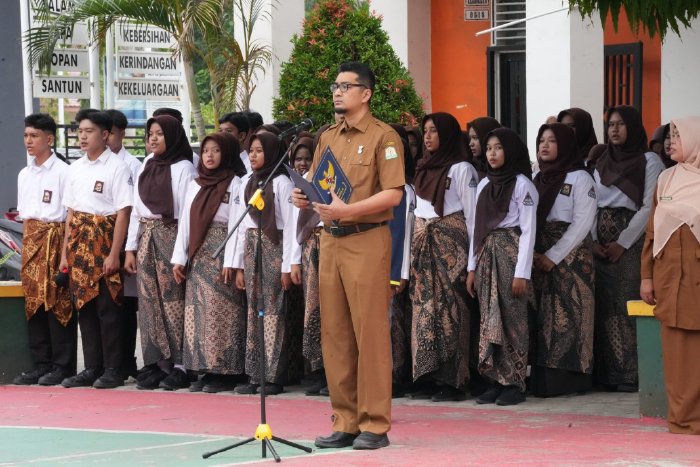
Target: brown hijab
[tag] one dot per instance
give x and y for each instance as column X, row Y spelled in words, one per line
column 274, row 150
column 583, row 127
column 625, row 166
column 432, row 169
column 155, row 187
column 305, row 140
column 411, row 130
column 482, row 127
column 552, row 174
column 494, row 200
column 213, row 185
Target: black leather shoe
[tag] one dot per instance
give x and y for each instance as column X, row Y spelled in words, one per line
column 54, row 377
column 112, row 378
column 272, row 389
column 339, row 439
column 324, row 392
column 368, row 440
column 219, row 383
column 31, row 377
column 490, row 396
column 177, row 379
column 197, row 386
column 314, row 389
column 250, row 388
column 146, row 371
column 511, row 395
column 85, row 378
column 152, row 379
column 448, row 394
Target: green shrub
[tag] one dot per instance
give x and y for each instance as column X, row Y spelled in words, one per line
column 337, row 31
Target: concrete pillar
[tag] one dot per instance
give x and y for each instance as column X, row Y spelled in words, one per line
column 12, row 155
column 283, row 20
column 407, row 22
column 679, row 73
column 564, row 66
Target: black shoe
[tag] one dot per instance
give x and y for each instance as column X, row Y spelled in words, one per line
column 272, row 389
column 54, row 377
column 219, row 383
column 368, row 440
column 339, row 439
column 398, row 390
column 85, row 378
column 511, row 395
column 250, row 388
column 197, row 386
column 424, row 390
column 177, row 379
column 152, row 380
column 146, row 371
column 490, row 396
column 324, row 392
column 31, row 377
column 448, row 394
column 314, row 389
column 112, row 378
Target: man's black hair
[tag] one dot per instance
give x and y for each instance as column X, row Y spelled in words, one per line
column 168, row 111
column 283, row 125
column 255, row 120
column 238, row 120
column 97, row 117
column 44, row 122
column 364, row 73
column 118, row 118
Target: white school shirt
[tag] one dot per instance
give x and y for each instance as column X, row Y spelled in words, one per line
column 181, row 174
column 460, row 195
column 132, row 162
column 522, row 212
column 101, row 187
column 223, row 215
column 575, row 204
column 612, row 197
column 282, row 187
column 408, row 238
column 41, row 188
column 246, row 161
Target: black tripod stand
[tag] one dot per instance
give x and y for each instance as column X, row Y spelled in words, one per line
column 263, row 432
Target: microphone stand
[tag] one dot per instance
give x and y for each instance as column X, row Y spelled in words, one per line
column 263, row 432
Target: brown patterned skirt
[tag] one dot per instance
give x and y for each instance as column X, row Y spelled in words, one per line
column 215, row 313
column 41, row 255
column 440, row 322
column 274, row 304
column 565, row 309
column 89, row 243
column 312, row 310
column 615, row 346
column 504, row 339
column 161, row 299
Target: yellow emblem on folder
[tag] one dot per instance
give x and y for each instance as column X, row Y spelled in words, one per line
column 328, row 181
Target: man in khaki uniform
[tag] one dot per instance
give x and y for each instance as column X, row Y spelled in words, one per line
column 354, row 264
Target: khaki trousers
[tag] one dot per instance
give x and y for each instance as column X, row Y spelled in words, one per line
column 355, row 336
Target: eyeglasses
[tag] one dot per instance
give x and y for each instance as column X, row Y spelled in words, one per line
column 344, row 87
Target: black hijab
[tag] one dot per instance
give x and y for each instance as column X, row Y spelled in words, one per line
column 482, row 127
column 583, row 127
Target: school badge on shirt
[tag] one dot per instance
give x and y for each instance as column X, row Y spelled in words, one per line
column 566, row 189
column 527, row 201
column 448, row 182
column 390, row 151
column 226, row 198
column 48, row 194
column 99, row 187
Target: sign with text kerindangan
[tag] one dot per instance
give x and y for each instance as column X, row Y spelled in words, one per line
column 70, row 60
column 143, row 35
column 147, row 88
column 68, row 87
column 148, row 63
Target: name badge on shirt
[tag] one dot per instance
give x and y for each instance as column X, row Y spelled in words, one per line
column 566, row 189
column 47, row 197
column 226, row 198
column 666, row 198
column 99, row 187
column 528, row 201
column 448, row 182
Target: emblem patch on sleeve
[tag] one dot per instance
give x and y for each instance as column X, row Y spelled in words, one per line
column 473, row 183
column 448, row 182
column 527, row 201
column 591, row 193
column 47, row 197
column 99, row 187
column 226, row 198
column 130, row 181
column 390, row 152
column 566, row 189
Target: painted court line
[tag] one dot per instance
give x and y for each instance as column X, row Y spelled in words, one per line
column 132, row 432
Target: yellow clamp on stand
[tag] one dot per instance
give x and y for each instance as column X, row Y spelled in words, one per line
column 263, row 431
column 257, row 200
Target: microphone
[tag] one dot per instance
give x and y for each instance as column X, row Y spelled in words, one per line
column 305, row 124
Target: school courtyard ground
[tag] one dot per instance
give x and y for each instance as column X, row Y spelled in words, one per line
column 48, row 426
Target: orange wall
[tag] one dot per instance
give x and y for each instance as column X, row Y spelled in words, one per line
column 651, row 68
column 458, row 62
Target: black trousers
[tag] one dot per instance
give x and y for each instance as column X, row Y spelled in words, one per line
column 131, row 306
column 101, row 328
column 51, row 343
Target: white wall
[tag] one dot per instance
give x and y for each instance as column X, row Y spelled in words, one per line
column 564, row 66
column 680, row 70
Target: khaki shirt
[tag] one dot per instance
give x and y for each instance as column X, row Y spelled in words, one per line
column 371, row 155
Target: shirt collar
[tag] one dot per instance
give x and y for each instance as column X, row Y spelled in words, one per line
column 47, row 164
column 103, row 158
column 362, row 125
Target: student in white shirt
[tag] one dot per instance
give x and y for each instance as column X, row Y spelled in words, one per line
column 445, row 204
column 237, row 124
column 625, row 177
column 500, row 265
column 99, row 198
column 215, row 312
column 278, row 236
column 563, row 275
column 51, row 326
column 158, row 193
column 131, row 303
